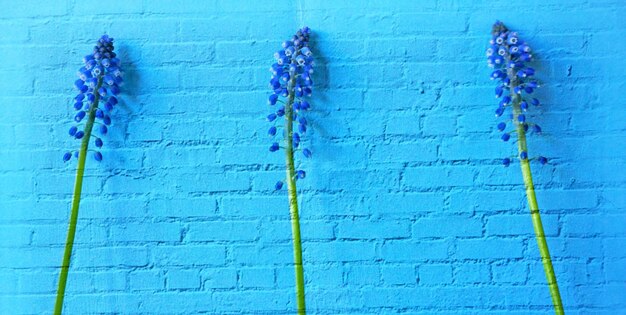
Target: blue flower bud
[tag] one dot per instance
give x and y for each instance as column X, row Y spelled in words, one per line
column 523, row 105
column 307, row 91
column 499, row 111
column 79, row 135
column 99, row 113
column 99, row 143
column 272, row 131
column 79, row 116
column 302, row 120
column 307, row 153
column 528, row 90
column 501, row 126
column 108, row 79
column 78, row 105
column 274, row 84
column 279, row 185
column 79, row 84
column 87, row 58
column 67, row 156
column 274, row 147
column 302, row 128
column 300, row 174
column 535, row 102
column 281, row 111
column 73, row 131
column 306, row 51
column 505, row 137
column 115, row 90
column 542, row 160
column 112, row 100
column 300, row 60
column 523, row 155
column 79, row 97
column 506, row 162
column 289, row 51
column 521, row 118
column 106, row 120
column 97, row 71
column 497, row 74
column 505, row 101
column 271, row 117
column 536, row 129
column 103, row 129
column 97, row 156
column 304, row 105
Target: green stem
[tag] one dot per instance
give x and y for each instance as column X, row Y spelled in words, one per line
column 532, row 202
column 293, row 201
column 78, row 187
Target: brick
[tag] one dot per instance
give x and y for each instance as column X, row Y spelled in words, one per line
column 372, row 230
column 146, row 280
column 399, row 275
column 219, row 278
column 183, row 279
column 147, row 232
column 257, row 278
column 222, row 231
column 126, row 256
column 363, row 275
column 473, row 273
column 447, row 226
column 189, row 255
column 520, row 225
column 402, row 251
column 339, row 252
column 435, row 274
column 489, row 249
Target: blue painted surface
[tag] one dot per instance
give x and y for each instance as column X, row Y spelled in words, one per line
column 405, row 208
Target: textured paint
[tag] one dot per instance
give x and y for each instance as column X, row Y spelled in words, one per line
column 405, row 208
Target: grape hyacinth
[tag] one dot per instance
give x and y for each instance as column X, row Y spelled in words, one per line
column 98, row 82
column 291, row 83
column 509, row 56
column 98, row 85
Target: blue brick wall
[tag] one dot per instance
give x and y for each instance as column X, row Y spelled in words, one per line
column 406, row 208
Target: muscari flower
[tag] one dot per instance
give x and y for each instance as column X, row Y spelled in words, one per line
column 508, row 55
column 290, row 83
column 98, row 87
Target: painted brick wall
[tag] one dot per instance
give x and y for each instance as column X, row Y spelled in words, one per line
column 406, row 208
